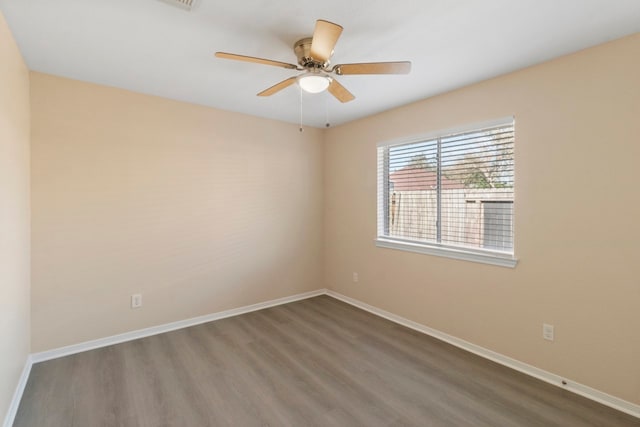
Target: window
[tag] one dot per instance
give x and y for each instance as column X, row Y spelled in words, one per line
column 450, row 194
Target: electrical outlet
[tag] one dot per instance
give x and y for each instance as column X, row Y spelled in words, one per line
column 355, row 278
column 547, row 332
column 136, row 300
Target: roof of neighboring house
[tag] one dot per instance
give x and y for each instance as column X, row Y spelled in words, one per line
column 411, row 178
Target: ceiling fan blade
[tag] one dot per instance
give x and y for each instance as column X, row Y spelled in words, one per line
column 278, row 87
column 325, row 37
column 403, row 67
column 263, row 61
column 340, row 92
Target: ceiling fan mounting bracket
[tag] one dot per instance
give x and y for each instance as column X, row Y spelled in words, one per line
column 302, row 49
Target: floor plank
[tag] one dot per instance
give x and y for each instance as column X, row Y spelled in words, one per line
column 316, row 362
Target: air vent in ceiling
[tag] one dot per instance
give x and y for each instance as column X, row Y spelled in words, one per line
column 182, row 4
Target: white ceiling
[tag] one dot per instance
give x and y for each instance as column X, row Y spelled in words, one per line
column 151, row 47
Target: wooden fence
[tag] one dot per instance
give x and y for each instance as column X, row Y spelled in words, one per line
column 477, row 218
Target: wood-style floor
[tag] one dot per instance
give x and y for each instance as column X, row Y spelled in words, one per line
column 313, row 362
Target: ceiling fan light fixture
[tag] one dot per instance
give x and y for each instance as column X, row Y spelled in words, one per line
column 314, row 82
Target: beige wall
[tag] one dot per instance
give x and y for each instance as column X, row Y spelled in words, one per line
column 198, row 209
column 577, row 220
column 14, row 215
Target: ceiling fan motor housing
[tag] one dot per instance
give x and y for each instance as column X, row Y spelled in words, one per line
column 302, row 49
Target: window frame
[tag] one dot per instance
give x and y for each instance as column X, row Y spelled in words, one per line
column 383, row 240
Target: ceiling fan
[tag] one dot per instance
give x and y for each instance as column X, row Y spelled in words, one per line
column 314, row 55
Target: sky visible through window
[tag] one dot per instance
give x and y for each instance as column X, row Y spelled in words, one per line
column 489, row 150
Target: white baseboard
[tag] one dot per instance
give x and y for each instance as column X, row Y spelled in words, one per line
column 154, row 330
column 17, row 394
column 577, row 388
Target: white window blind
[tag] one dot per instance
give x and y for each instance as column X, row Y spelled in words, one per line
column 453, row 190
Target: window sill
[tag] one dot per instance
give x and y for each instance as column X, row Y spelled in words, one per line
column 460, row 254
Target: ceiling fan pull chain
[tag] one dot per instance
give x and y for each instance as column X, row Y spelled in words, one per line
column 301, row 130
column 326, row 110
